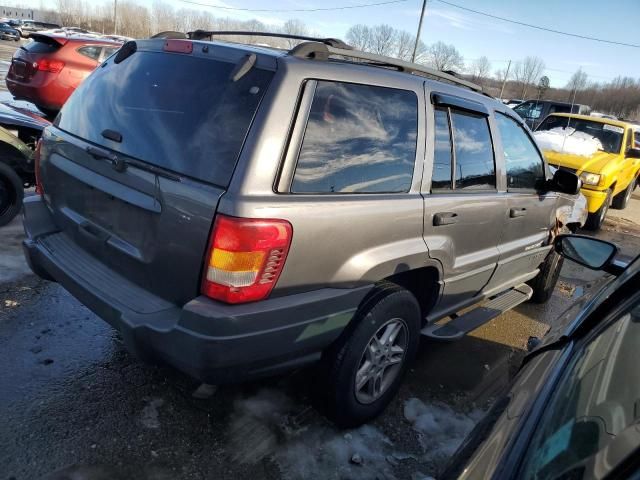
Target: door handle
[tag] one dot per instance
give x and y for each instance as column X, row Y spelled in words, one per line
column 445, row 218
column 517, row 212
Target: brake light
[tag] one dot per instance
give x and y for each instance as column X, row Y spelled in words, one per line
column 245, row 258
column 52, row 66
column 178, row 46
column 36, row 167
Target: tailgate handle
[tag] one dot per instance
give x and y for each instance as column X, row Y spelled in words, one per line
column 118, row 164
column 445, row 218
column 517, row 212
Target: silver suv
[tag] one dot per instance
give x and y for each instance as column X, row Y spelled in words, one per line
column 238, row 211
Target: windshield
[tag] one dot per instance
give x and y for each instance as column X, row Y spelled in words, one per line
column 609, row 136
column 595, row 402
column 179, row 112
column 531, row 110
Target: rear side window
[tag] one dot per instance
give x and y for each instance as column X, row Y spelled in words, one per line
column 91, row 51
column 43, row 45
column 176, row 111
column 359, row 139
column 441, row 179
column 475, row 166
column 525, row 168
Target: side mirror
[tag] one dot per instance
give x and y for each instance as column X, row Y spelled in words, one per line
column 633, row 153
column 588, row 251
column 565, row 182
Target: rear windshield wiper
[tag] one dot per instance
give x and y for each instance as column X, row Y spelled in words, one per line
column 119, row 164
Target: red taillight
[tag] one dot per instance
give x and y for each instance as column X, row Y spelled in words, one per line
column 36, row 168
column 245, row 258
column 52, row 66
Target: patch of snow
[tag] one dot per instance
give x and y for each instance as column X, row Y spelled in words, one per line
column 567, row 140
column 150, row 414
column 441, row 429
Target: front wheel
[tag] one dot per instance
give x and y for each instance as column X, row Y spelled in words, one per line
column 11, row 194
column 363, row 370
column 544, row 283
column 596, row 219
column 621, row 200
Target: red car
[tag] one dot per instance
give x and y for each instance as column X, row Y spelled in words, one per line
column 49, row 68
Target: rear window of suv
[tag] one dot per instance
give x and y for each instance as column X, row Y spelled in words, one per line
column 41, row 45
column 175, row 111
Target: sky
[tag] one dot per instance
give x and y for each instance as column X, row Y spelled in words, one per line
column 474, row 35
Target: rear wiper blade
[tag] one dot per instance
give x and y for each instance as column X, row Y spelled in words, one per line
column 119, row 164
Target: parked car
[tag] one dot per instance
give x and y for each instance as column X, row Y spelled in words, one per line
column 609, row 175
column 535, row 111
column 29, row 27
column 238, row 211
column 19, row 131
column 7, row 32
column 572, row 410
column 48, row 69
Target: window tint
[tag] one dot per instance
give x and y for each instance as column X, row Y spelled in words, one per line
column 524, row 165
column 441, row 179
column 360, row 139
column 595, row 401
column 196, row 131
column 91, row 51
column 475, row 168
column 42, row 45
column 108, row 51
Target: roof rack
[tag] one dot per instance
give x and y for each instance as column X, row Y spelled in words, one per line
column 322, row 51
column 209, row 34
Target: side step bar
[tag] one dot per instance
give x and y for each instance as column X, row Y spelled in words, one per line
column 497, row 305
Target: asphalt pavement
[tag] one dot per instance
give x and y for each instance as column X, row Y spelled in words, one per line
column 75, row 404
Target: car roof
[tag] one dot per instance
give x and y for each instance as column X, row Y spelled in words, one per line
column 76, row 38
column 607, row 121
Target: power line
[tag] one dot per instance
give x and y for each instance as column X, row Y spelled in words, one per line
column 584, row 37
column 346, row 7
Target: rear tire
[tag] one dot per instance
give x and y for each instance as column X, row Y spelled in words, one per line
column 544, row 283
column 621, row 200
column 596, row 219
column 375, row 351
column 11, row 194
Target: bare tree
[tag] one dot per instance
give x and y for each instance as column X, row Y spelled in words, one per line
column 480, row 69
column 404, row 45
column 163, row 17
column 383, row 39
column 442, row 56
column 578, row 81
column 527, row 72
column 294, row 27
column 68, row 11
column 359, row 37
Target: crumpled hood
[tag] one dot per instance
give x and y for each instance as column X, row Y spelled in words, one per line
column 595, row 163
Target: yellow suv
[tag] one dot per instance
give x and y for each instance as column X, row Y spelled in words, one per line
column 603, row 152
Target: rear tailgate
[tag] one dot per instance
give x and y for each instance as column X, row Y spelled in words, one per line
column 24, row 62
column 139, row 156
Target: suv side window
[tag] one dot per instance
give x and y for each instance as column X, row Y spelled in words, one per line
column 442, row 159
column 359, row 139
column 91, row 51
column 473, row 148
column 525, row 167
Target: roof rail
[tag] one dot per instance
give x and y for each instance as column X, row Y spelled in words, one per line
column 204, row 34
column 322, row 51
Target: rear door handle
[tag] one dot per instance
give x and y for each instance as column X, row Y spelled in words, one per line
column 517, row 212
column 445, row 218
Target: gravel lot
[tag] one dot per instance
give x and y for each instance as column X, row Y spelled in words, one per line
column 74, row 400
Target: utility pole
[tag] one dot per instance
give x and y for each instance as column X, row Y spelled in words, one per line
column 504, row 82
column 415, row 47
column 115, row 17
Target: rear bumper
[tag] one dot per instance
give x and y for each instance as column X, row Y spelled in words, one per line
column 42, row 90
column 209, row 340
column 595, row 198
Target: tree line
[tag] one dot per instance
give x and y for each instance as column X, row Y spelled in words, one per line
column 525, row 79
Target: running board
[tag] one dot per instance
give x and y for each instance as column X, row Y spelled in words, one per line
column 460, row 326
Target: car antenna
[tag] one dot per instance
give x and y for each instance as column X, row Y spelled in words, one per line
column 243, row 67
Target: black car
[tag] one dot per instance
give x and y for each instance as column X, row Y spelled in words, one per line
column 573, row 411
column 7, row 32
column 533, row 112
